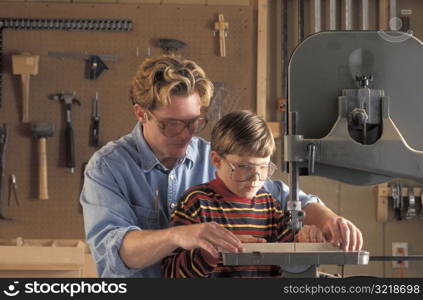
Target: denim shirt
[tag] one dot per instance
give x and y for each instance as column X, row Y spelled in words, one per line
column 127, row 188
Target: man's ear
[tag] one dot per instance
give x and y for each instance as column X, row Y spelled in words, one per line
column 216, row 159
column 140, row 113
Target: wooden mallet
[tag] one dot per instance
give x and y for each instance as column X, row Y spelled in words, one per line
column 42, row 130
column 25, row 65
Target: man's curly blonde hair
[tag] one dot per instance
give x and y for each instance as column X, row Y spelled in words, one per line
column 160, row 77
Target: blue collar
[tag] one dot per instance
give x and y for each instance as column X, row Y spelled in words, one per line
column 149, row 159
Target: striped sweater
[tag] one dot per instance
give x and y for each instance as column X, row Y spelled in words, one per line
column 261, row 217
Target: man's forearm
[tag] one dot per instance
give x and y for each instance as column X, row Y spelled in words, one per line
column 142, row 248
column 317, row 214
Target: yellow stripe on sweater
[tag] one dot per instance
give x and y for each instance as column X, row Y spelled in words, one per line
column 191, row 253
column 188, row 197
column 240, row 209
column 248, row 225
column 180, row 213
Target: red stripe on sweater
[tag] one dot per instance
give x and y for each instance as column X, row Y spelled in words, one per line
column 236, row 214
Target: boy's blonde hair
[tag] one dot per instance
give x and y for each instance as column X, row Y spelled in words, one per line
column 160, row 77
column 242, row 133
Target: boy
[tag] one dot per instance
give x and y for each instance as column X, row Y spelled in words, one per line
column 242, row 145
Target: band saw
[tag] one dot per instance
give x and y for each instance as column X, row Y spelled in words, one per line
column 354, row 105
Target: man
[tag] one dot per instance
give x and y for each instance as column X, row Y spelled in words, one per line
column 132, row 184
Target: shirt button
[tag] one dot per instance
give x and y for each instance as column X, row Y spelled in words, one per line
column 172, row 176
column 172, row 205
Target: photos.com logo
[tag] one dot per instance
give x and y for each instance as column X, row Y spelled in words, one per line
column 11, row 289
column 66, row 288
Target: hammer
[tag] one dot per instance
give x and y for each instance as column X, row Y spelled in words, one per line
column 68, row 99
column 25, row 65
column 42, row 130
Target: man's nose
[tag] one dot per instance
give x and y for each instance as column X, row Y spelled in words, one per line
column 186, row 133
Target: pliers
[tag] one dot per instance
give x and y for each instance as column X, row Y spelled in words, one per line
column 13, row 189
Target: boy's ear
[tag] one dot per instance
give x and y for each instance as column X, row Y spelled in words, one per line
column 216, row 159
column 140, row 113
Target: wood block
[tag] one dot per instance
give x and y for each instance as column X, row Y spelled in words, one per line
column 193, row 2
column 130, row 1
column 68, row 1
column 275, row 127
column 382, row 204
column 95, row 1
column 25, row 64
column 42, row 258
column 226, row 2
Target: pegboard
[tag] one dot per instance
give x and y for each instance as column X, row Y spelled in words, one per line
column 60, row 216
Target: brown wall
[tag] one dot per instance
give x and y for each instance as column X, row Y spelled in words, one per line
column 60, row 217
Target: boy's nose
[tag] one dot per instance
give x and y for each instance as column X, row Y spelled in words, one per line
column 256, row 177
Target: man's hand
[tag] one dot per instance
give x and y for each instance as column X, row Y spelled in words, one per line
column 342, row 233
column 336, row 229
column 310, row 234
column 245, row 239
column 208, row 236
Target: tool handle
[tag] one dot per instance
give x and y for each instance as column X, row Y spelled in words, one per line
column 42, row 169
column 222, row 44
column 70, row 147
column 95, row 139
column 25, row 97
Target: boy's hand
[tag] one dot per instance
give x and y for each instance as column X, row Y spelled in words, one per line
column 245, row 239
column 208, row 236
column 310, row 234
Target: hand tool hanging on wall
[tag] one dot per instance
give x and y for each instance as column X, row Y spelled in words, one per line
column 171, row 46
column 396, row 194
column 3, row 144
column 41, row 131
column 59, row 24
column 95, row 63
column 222, row 27
column 405, row 20
column 13, row 190
column 95, row 122
column 25, row 65
column 68, row 99
column 410, row 204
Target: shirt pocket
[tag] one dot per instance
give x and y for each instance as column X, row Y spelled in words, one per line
column 148, row 217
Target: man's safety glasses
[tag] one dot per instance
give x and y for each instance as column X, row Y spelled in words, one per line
column 171, row 128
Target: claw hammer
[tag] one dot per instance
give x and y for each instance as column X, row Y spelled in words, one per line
column 68, row 99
